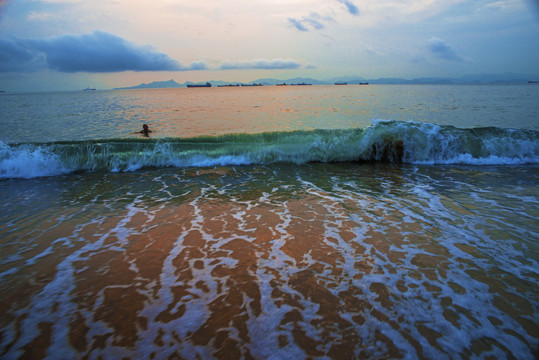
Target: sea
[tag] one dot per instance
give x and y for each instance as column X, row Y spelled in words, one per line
column 271, row 222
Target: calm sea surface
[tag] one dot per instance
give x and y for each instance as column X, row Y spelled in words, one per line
column 299, row 222
column 185, row 112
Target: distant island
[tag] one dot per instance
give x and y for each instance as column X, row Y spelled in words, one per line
column 479, row 79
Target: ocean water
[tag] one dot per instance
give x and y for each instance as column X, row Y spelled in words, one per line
column 305, row 222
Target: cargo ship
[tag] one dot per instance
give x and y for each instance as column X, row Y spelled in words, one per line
column 199, row 85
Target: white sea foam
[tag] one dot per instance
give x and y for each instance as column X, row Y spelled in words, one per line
column 468, row 159
column 29, row 161
column 409, row 212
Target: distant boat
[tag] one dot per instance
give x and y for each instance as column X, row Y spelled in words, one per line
column 533, row 82
column 228, row 85
column 301, row 84
column 89, row 89
column 365, row 83
column 341, row 83
column 251, row 85
column 198, row 85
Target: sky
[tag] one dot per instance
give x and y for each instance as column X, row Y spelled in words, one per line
column 72, row 44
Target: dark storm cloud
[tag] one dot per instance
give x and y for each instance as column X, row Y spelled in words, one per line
column 352, row 9
column 99, row 52
column 275, row 64
column 442, row 50
column 16, row 57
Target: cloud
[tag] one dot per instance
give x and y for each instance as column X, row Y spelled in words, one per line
column 15, row 57
column 40, row 16
column 352, row 9
column 297, row 24
column 442, row 50
column 314, row 20
column 197, row 65
column 99, row 52
column 275, row 64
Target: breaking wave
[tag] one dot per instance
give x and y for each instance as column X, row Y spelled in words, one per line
column 390, row 141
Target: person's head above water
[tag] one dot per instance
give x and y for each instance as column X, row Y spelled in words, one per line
column 145, row 130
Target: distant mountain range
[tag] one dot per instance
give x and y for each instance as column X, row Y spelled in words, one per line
column 508, row 78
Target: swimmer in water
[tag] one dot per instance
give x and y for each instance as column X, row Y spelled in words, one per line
column 145, row 130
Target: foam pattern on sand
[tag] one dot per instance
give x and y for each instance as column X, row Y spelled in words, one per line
column 408, row 262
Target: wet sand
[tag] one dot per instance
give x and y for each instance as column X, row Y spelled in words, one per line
column 317, row 261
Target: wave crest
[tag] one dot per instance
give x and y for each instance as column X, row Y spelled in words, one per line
column 390, row 141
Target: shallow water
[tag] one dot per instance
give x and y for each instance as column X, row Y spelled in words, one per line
column 322, row 260
column 115, row 248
